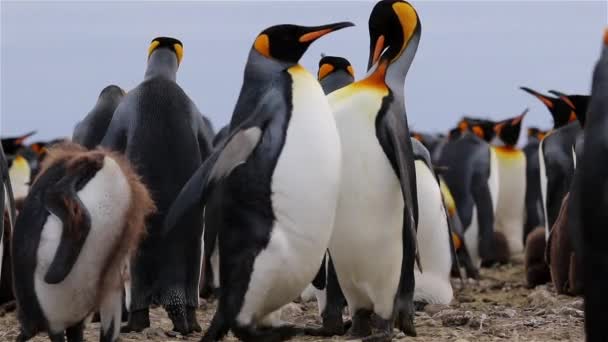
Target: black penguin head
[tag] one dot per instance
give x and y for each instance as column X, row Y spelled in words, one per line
column 455, row 133
column 13, row 145
column 535, row 132
column 329, row 64
column 508, row 130
column 167, row 43
column 112, row 90
column 287, row 43
column 561, row 112
column 482, row 128
column 392, row 24
column 578, row 103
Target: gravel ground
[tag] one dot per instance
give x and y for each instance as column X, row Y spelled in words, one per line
column 497, row 308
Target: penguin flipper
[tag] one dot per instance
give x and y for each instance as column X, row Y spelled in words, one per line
column 395, row 141
column 482, row 197
column 76, row 226
column 219, row 165
column 62, row 201
column 6, row 193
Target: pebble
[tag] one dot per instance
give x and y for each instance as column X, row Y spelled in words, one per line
column 454, row 318
column 433, row 309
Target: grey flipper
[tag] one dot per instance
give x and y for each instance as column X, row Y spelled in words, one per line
column 90, row 131
column 116, row 133
column 391, row 130
column 232, row 152
column 63, row 202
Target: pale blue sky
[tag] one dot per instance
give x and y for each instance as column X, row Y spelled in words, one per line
column 57, row 56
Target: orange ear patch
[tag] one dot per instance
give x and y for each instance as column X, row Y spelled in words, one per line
column 378, row 49
column 350, row 70
column 262, row 45
column 309, row 37
column 325, row 70
column 478, row 131
column 463, row 126
column 606, row 37
column 540, row 135
column 572, row 116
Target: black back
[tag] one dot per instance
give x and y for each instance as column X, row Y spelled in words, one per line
column 535, row 215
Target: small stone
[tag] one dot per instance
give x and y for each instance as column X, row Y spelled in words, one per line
column 461, row 340
column 433, row 309
column 466, row 299
column 578, row 304
column 567, row 311
column 454, row 318
column 150, row 333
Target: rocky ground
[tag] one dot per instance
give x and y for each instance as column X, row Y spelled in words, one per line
column 497, row 308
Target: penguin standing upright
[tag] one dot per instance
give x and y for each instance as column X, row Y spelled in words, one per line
column 72, row 242
column 534, row 205
column 592, row 172
column 377, row 211
column 433, row 286
column 334, row 73
column 160, row 130
column 556, row 156
column 468, row 160
column 510, row 209
column 92, row 128
column 271, row 187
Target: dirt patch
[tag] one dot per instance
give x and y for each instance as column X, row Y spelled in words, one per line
column 497, row 308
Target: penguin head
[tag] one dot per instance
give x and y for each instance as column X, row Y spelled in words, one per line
column 287, row 43
column 561, row 112
column 482, row 128
column 392, row 26
column 12, row 145
column 508, row 130
column 536, row 133
column 331, row 64
column 169, row 43
column 577, row 103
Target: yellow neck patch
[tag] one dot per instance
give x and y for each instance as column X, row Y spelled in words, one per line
column 350, row 70
column 408, row 19
column 179, row 51
column 262, row 45
column 325, row 70
column 153, row 47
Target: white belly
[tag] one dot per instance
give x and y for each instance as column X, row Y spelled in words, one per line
column 511, row 198
column 493, row 180
column 107, row 197
column 433, row 286
column 366, row 246
column 305, row 187
column 543, row 186
column 471, row 238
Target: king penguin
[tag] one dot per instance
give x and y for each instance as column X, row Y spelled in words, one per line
column 334, row 73
column 12, row 145
column 534, row 205
column 510, row 208
column 556, row 156
column 159, row 128
column 72, row 242
column 273, row 226
column 377, row 211
column 92, row 128
column 433, row 286
column 592, row 172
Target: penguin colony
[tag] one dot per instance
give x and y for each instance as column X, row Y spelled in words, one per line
column 101, row 224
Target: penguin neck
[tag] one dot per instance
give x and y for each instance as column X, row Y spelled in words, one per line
column 162, row 63
column 397, row 69
column 262, row 69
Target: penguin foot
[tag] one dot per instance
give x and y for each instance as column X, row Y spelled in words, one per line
column 8, row 307
column 23, row 337
column 361, row 324
column 138, row 321
column 332, row 324
column 191, row 319
column 405, row 318
column 179, row 316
